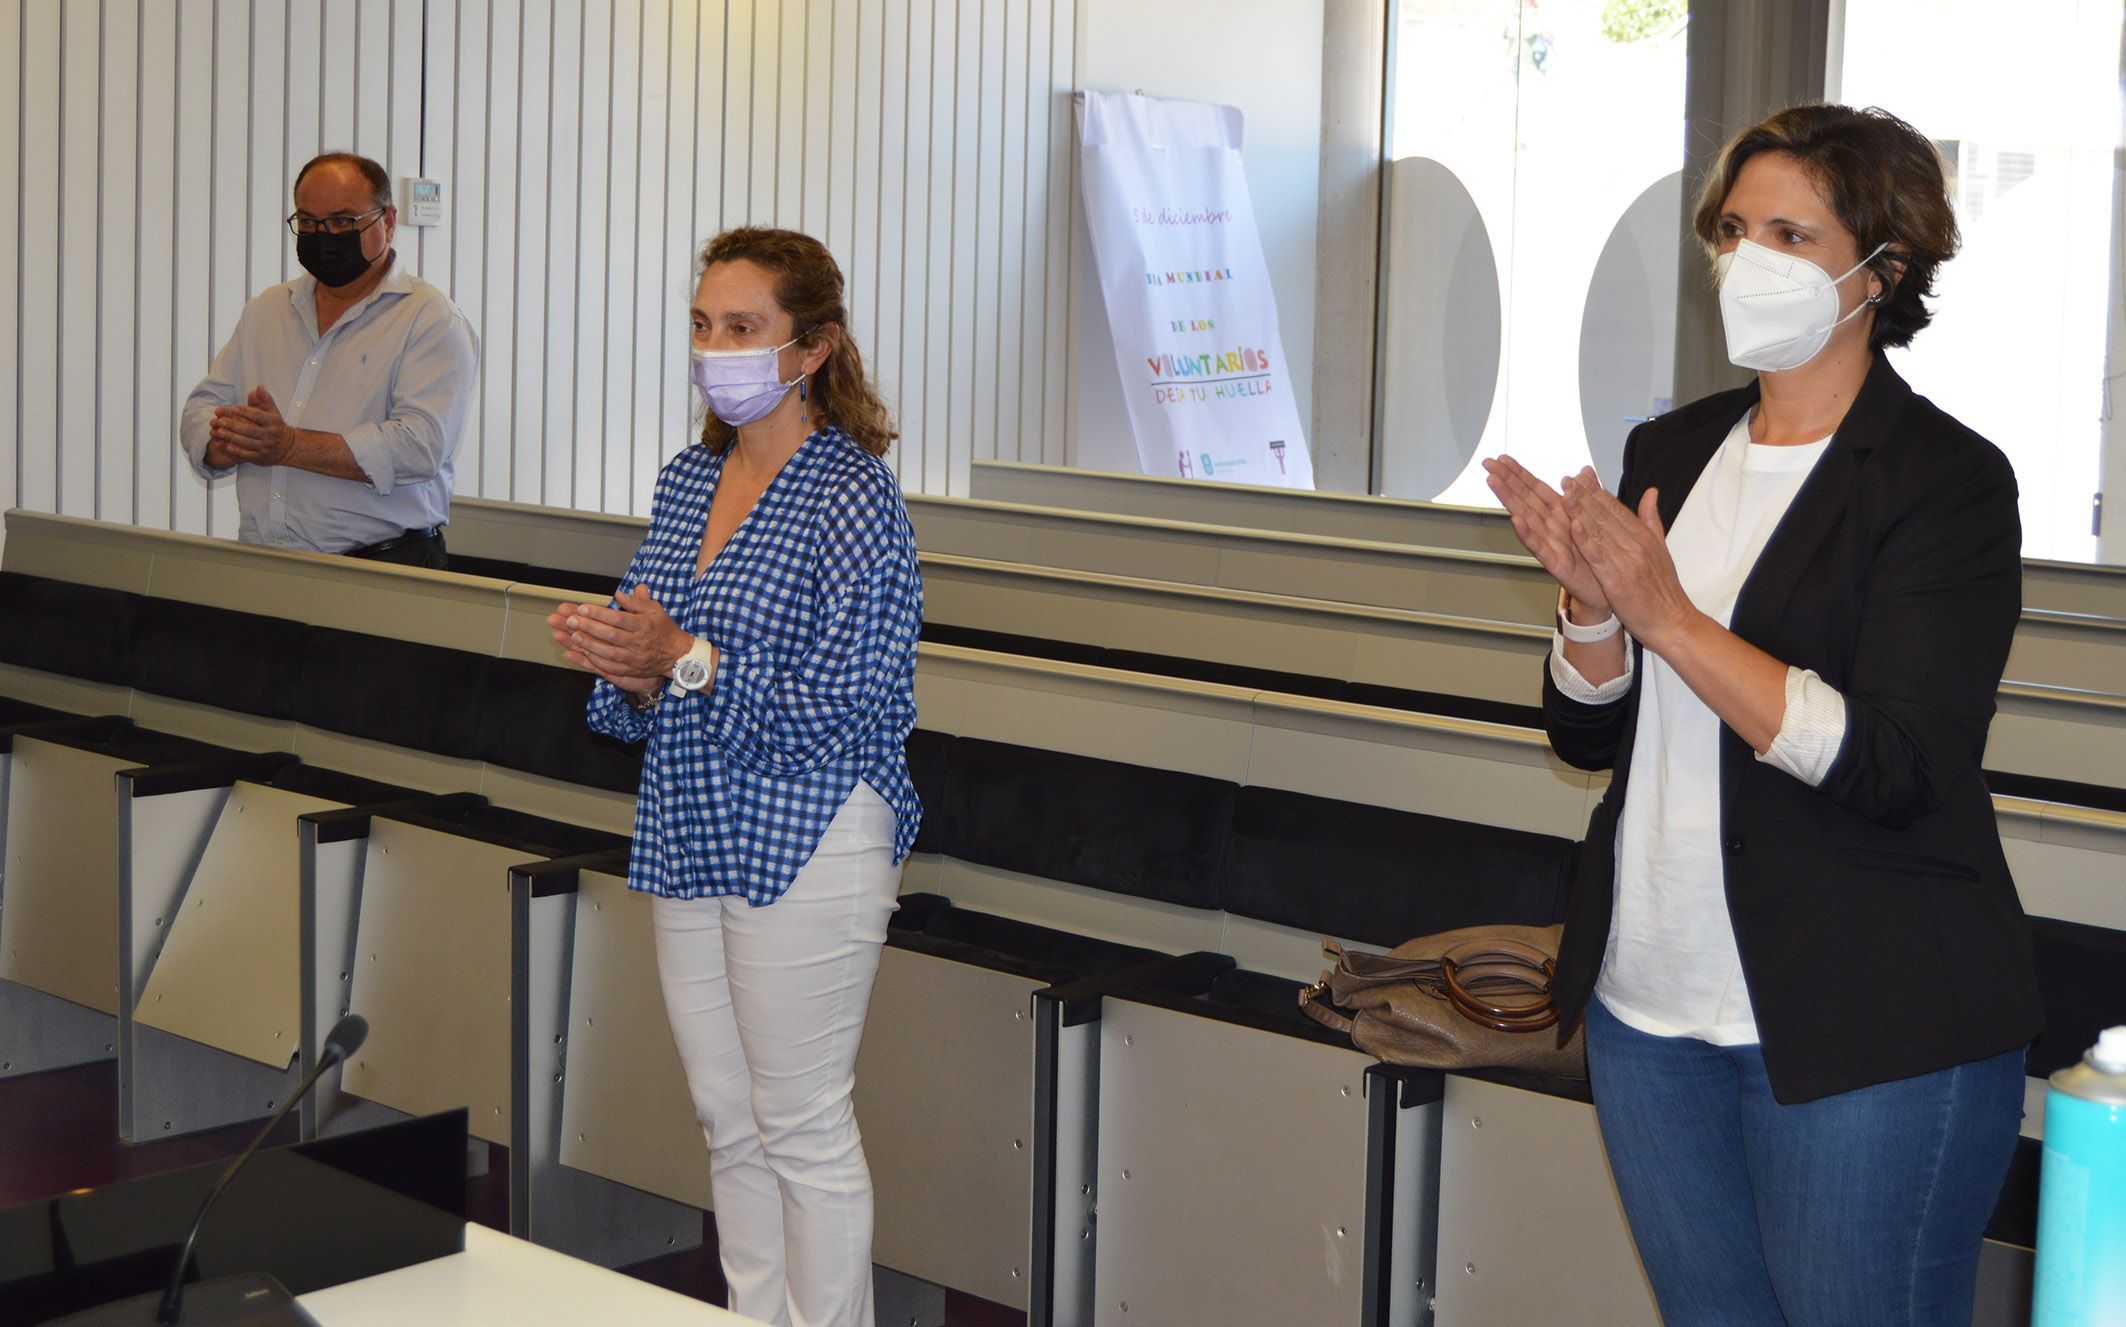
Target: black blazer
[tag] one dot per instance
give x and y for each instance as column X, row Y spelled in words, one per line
column 1877, row 925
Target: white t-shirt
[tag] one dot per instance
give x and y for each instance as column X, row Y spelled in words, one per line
column 1671, row 968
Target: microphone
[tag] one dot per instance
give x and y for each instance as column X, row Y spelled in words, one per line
column 344, row 1040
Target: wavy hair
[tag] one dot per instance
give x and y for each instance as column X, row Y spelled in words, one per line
column 808, row 286
column 1882, row 178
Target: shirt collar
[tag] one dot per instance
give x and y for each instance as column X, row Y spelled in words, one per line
column 398, row 280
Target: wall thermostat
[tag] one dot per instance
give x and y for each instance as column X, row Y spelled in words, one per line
column 424, row 202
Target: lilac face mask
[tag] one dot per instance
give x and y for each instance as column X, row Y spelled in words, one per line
column 740, row 385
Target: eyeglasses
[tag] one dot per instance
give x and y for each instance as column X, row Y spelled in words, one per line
column 340, row 225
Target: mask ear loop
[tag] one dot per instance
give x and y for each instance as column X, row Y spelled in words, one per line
column 1875, row 297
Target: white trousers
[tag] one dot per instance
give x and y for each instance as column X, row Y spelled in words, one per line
column 767, row 1007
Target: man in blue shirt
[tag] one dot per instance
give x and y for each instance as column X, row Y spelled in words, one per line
column 340, row 398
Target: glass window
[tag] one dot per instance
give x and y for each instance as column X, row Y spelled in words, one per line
column 2023, row 101
column 1534, row 218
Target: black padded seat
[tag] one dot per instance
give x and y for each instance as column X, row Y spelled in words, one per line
column 531, row 719
column 526, row 573
column 214, row 656
column 60, row 627
column 499, row 569
column 1271, row 997
column 1128, row 829
column 535, row 836
column 333, row 786
column 15, row 713
column 2081, row 976
column 1381, row 876
column 592, row 586
column 2039, row 789
column 122, row 739
column 2014, row 1219
column 926, row 750
column 1038, row 952
column 422, row 697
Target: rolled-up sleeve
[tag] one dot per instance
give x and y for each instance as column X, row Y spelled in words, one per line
column 1573, row 686
column 219, row 388
column 1811, row 729
column 431, row 393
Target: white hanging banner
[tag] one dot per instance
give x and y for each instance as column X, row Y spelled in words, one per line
column 1187, row 292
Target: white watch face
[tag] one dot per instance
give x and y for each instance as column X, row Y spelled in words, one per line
column 691, row 674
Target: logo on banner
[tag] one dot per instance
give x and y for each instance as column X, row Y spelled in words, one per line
column 1182, row 464
column 1212, row 467
column 1277, row 450
column 1232, row 375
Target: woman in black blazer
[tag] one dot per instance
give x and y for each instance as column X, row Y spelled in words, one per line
column 1805, row 974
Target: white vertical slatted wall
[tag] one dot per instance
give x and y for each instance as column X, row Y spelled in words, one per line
column 587, row 147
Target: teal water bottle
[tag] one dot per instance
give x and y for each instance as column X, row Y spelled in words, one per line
column 2081, row 1203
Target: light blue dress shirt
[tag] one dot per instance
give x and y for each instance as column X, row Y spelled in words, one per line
column 394, row 377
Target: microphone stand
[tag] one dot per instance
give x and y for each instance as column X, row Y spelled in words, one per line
column 253, row 1297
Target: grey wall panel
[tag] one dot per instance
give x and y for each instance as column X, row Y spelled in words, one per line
column 228, row 974
column 432, row 976
column 1185, row 1234
column 944, row 1095
column 59, row 933
column 625, row 1111
column 1503, row 1258
column 586, row 148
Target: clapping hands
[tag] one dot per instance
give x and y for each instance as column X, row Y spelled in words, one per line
column 632, row 644
column 1608, row 557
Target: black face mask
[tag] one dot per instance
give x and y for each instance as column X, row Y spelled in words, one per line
column 335, row 260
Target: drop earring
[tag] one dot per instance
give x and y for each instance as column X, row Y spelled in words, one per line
column 802, row 417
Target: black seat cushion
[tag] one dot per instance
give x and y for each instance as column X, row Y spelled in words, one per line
column 1131, row 829
column 1067, row 952
column 61, row 627
column 1381, row 876
column 926, row 769
column 2081, row 975
column 532, row 719
column 215, row 656
column 423, row 697
column 14, row 712
column 334, row 786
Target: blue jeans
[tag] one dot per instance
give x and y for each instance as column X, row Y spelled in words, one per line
column 1866, row 1208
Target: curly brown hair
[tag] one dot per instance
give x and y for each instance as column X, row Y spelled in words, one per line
column 1882, row 178
column 808, row 286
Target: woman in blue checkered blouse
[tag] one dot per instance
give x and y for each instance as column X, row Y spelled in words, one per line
column 764, row 645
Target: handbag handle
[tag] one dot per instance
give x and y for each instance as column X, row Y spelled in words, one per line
column 1479, row 968
column 1321, row 1010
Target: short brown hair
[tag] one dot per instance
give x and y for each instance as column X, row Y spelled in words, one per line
column 808, row 285
column 379, row 182
column 1884, row 181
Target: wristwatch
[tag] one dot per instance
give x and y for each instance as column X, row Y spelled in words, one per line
column 691, row 673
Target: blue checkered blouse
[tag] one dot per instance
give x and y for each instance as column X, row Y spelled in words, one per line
column 813, row 605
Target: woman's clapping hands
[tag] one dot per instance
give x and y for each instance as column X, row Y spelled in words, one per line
column 1608, row 557
column 632, row 644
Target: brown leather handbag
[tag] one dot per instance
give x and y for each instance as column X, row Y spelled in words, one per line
column 1476, row 998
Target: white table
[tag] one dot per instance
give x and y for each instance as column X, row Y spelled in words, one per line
column 503, row 1279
